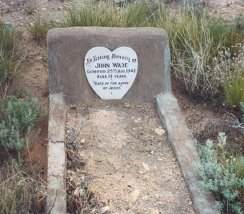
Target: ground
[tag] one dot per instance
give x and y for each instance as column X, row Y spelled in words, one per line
column 128, row 163
column 204, row 120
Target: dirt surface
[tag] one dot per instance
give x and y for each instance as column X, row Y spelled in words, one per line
column 35, row 155
column 227, row 9
column 128, row 162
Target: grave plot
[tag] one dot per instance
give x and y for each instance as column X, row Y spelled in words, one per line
column 119, row 161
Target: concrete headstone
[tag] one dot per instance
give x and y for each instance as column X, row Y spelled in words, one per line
column 137, row 58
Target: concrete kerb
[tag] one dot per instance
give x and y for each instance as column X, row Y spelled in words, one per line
column 178, row 133
column 56, row 174
column 185, row 150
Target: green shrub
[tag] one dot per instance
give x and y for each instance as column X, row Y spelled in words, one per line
column 234, row 90
column 17, row 118
column 10, row 56
column 220, row 174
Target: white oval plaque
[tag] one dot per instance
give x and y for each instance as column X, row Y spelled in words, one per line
column 111, row 73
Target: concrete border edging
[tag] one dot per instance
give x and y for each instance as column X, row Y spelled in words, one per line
column 185, row 150
column 56, row 172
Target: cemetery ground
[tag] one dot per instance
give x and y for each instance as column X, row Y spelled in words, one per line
column 21, row 174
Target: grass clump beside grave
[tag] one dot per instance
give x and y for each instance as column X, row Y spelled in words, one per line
column 107, row 14
column 234, row 90
column 17, row 118
column 10, row 55
column 201, row 51
column 100, row 14
column 39, row 27
column 20, row 193
column 222, row 174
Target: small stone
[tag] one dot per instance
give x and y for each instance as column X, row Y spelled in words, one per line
column 73, row 107
column 138, row 120
column 134, row 196
column 159, row 131
column 83, row 141
column 79, row 192
column 154, row 212
column 44, row 9
column 127, row 105
column 146, row 166
column 105, row 209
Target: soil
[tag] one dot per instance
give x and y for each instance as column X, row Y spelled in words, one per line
column 128, row 164
column 146, row 160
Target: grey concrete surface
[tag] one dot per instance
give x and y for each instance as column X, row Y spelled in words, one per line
column 185, row 150
column 67, row 48
column 56, row 173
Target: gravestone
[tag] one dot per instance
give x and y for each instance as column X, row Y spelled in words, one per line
column 89, row 63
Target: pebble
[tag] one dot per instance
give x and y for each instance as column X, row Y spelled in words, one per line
column 138, row 120
column 105, row 209
column 146, row 166
column 79, row 191
column 134, row 196
column 83, row 141
column 127, row 105
column 154, row 212
column 159, row 131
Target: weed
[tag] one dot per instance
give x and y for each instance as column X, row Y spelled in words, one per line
column 10, row 56
column 38, row 28
column 221, row 174
column 19, row 192
column 138, row 15
column 100, row 14
column 239, row 21
column 198, row 50
column 80, row 199
column 234, row 90
column 31, row 7
column 107, row 14
column 17, row 118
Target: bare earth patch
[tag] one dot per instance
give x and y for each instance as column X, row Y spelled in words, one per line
column 227, row 9
column 128, row 163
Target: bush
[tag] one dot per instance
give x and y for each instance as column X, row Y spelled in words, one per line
column 10, row 56
column 17, row 118
column 221, row 174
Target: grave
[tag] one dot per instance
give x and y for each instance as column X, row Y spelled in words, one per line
column 99, row 72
